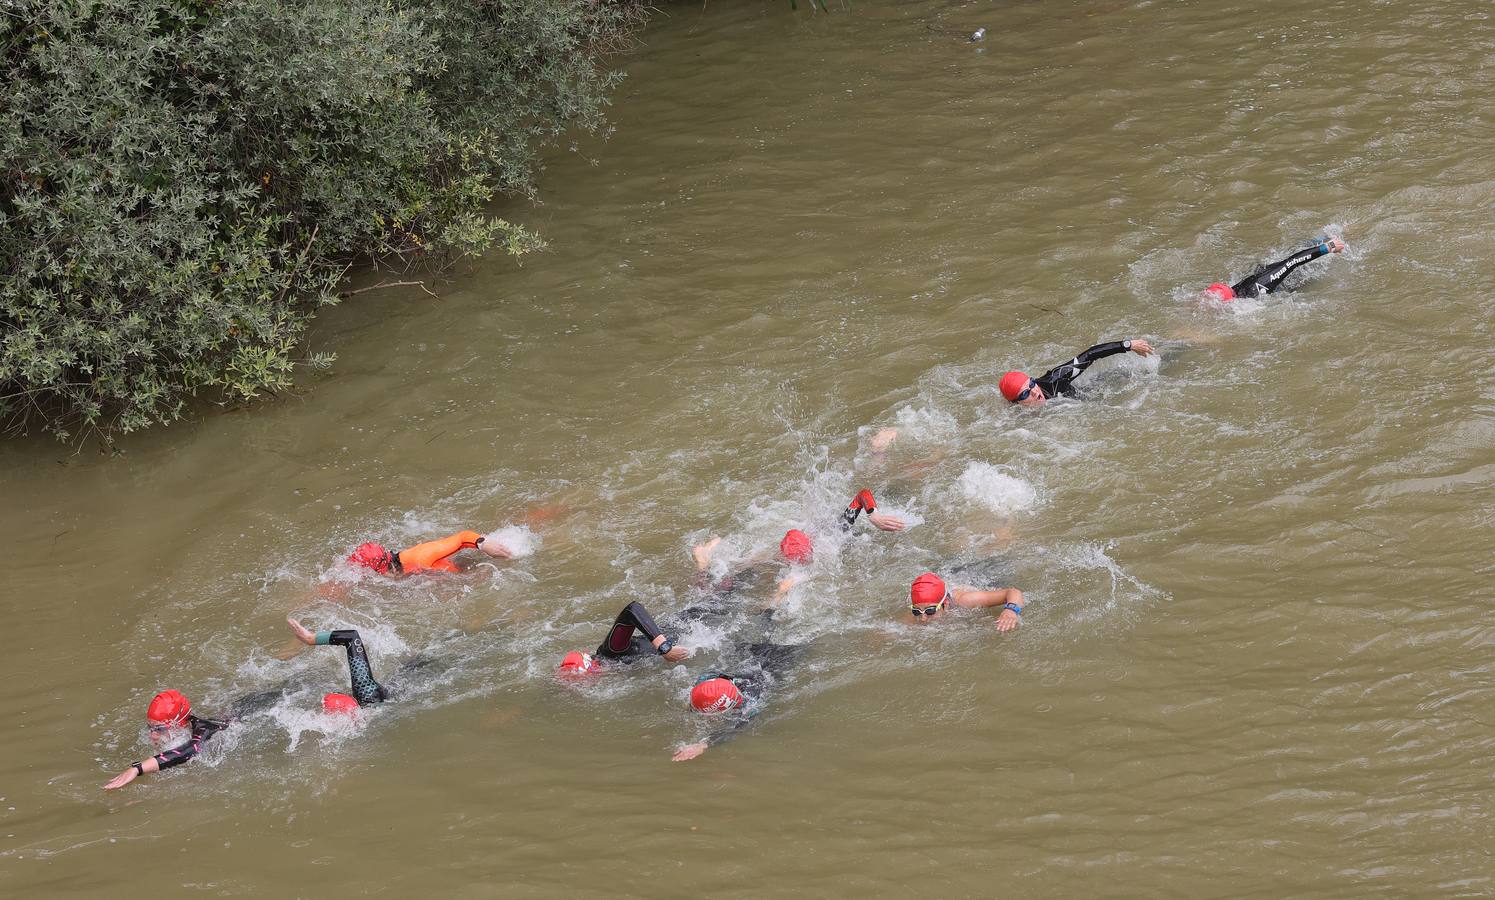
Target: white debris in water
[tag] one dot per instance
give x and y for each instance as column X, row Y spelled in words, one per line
column 995, row 489
column 517, row 539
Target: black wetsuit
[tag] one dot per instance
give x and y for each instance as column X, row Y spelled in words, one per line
column 364, row 688
column 202, row 729
column 1060, row 379
column 621, row 641
column 1269, row 278
column 762, row 666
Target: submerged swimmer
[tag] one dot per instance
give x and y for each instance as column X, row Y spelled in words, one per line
column 431, row 556
column 737, row 698
column 929, row 597
column 1269, row 278
column 1023, row 390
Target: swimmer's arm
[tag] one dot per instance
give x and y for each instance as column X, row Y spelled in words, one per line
column 1101, row 351
column 636, row 615
column 426, row 555
column 865, row 501
column 974, row 599
column 720, row 736
column 134, row 771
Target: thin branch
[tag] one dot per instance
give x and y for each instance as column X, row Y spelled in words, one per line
column 389, row 284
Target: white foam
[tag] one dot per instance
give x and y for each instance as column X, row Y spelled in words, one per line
column 992, row 487
column 517, row 539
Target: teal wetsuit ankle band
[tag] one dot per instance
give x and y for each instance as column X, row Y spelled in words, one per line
column 324, row 637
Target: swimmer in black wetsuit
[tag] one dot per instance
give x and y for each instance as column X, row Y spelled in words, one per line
column 739, row 697
column 1019, row 388
column 365, row 689
column 170, row 716
column 1269, row 278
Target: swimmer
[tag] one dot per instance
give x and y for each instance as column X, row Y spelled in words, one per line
column 170, row 714
column 738, row 698
column 1269, row 278
column 795, row 548
column 928, row 599
column 365, row 690
column 432, row 556
column 623, row 645
column 1025, row 391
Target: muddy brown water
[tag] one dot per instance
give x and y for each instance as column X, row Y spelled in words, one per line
column 1256, row 662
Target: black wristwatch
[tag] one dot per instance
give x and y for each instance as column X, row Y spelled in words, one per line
column 139, row 769
column 666, row 647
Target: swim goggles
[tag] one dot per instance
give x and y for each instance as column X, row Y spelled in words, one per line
column 930, row 610
column 1025, row 391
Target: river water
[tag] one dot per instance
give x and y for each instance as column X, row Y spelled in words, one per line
column 1257, row 657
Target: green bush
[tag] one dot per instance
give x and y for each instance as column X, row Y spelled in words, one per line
column 185, row 181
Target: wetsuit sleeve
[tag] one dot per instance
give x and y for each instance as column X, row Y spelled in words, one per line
column 432, row 554
column 1059, row 379
column 619, row 641
column 364, row 688
column 1269, row 278
column 202, row 729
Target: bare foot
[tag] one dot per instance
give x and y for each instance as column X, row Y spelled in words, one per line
column 702, row 554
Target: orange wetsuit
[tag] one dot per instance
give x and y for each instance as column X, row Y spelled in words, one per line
column 435, row 556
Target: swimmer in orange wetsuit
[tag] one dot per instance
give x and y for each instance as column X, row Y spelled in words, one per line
column 432, row 556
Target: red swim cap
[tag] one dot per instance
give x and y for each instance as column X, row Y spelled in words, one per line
column 1013, row 384
column 715, row 695
column 863, row 500
column 796, row 546
column 339, row 703
column 928, row 589
column 169, row 708
column 373, row 556
column 1221, row 292
column 577, row 663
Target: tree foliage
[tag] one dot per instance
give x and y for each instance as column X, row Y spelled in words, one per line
column 183, row 182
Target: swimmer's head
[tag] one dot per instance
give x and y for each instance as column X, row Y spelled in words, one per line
column 796, row 546
column 372, row 556
column 1018, row 388
column 168, row 709
column 339, row 703
column 715, row 695
column 927, row 596
column 578, row 664
column 1220, row 292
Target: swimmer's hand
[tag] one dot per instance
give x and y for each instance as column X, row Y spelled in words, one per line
column 677, row 654
column 495, row 549
column 128, row 775
column 306, row 637
column 1335, row 245
column 886, row 522
column 883, row 439
column 1008, row 620
column 690, row 751
column 1142, row 347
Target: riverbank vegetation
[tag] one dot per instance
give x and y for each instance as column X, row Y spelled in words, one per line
column 185, row 181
